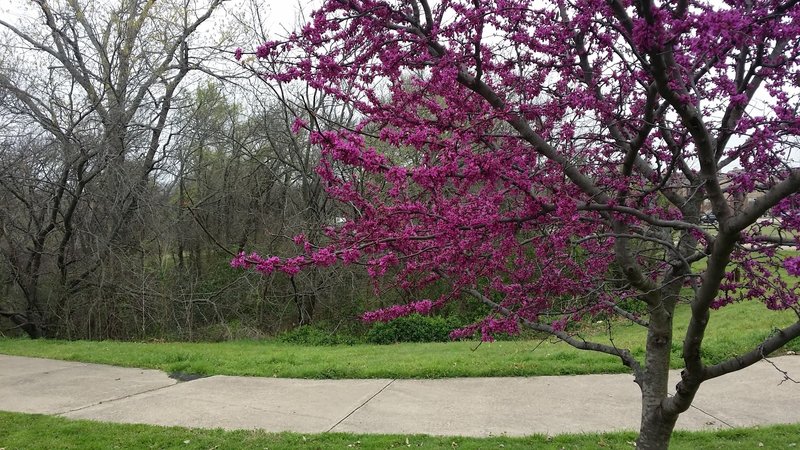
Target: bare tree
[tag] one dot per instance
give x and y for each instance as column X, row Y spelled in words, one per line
column 95, row 83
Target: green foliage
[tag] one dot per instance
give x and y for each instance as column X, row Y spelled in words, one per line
column 634, row 305
column 316, row 336
column 218, row 275
column 413, row 328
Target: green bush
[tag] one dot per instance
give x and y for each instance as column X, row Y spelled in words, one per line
column 633, row 305
column 413, row 328
column 311, row 335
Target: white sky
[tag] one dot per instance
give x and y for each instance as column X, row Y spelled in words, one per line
column 283, row 14
column 278, row 15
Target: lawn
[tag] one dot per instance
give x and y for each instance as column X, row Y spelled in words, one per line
column 733, row 330
column 31, row 431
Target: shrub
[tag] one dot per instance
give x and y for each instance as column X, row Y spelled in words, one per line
column 311, row 335
column 413, row 328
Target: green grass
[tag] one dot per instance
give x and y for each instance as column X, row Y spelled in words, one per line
column 732, row 330
column 30, row 431
column 270, row 358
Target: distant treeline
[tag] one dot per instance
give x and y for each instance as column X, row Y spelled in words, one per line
column 128, row 179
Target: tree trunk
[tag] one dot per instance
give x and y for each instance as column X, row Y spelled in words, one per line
column 656, row 427
column 29, row 327
column 32, row 330
column 655, row 430
column 306, row 304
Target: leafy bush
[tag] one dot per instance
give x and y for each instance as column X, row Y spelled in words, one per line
column 413, row 328
column 311, row 335
column 633, row 305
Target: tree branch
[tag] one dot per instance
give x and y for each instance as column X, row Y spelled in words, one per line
column 777, row 340
column 581, row 344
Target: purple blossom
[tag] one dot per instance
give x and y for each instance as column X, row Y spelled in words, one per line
column 264, row 50
column 292, row 266
column 298, row 124
column 323, row 257
column 239, row 261
column 792, row 265
column 396, row 311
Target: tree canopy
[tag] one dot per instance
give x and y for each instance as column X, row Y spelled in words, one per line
column 557, row 160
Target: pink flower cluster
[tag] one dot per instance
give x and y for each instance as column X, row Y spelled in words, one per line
column 792, row 265
column 268, row 265
column 488, row 328
column 393, row 312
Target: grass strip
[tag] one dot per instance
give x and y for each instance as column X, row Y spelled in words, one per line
column 33, row 431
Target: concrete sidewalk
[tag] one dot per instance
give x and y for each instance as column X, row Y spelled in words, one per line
column 461, row 406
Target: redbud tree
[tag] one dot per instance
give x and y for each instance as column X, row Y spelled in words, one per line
column 561, row 160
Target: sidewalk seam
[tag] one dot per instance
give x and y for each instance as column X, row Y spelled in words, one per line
column 114, row 399
column 361, row 405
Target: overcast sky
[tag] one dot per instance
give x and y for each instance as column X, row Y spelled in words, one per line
column 278, row 15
